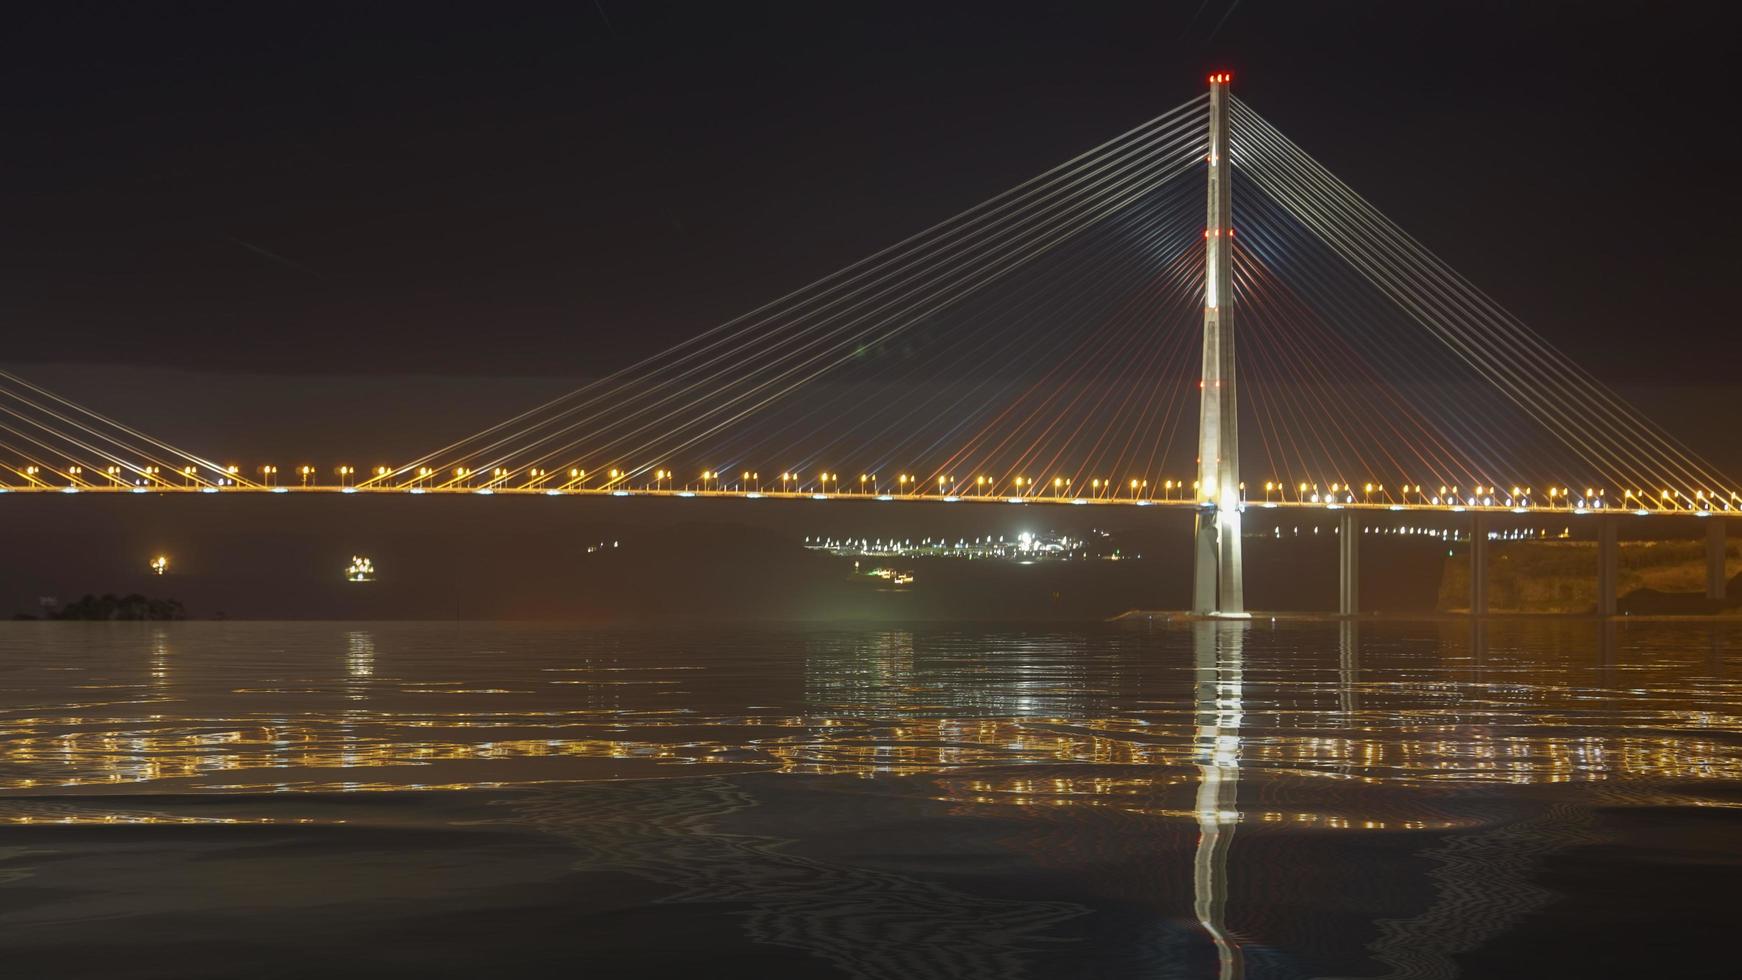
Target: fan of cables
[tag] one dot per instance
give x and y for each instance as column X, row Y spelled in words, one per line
column 1045, row 334
column 53, row 443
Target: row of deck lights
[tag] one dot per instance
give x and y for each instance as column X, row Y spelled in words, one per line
column 1493, row 496
column 1135, row 488
column 791, row 481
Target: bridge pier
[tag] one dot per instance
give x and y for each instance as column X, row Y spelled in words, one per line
column 1716, row 580
column 1478, row 564
column 1205, row 552
column 1608, row 564
column 1348, row 563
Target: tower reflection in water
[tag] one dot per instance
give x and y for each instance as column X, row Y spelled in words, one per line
column 1218, row 649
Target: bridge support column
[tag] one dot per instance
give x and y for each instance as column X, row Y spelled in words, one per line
column 1205, row 554
column 1478, row 565
column 1218, row 586
column 1608, row 565
column 1218, row 580
column 1716, row 580
column 1348, row 563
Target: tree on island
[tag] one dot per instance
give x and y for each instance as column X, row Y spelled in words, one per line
column 111, row 607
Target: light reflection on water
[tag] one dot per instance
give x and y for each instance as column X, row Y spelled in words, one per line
column 1131, row 713
column 1490, row 743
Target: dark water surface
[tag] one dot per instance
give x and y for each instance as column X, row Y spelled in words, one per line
column 1531, row 798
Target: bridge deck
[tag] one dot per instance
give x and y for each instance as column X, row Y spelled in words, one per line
column 1174, row 503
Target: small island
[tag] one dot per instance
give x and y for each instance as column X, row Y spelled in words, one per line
column 109, row 606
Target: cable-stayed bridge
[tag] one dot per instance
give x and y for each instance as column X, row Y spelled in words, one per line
column 1195, row 314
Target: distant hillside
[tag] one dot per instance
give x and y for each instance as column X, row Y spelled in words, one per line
column 1561, row 576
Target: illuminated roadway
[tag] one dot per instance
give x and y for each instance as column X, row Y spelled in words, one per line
column 1561, row 501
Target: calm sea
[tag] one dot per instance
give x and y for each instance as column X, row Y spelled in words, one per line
column 1525, row 799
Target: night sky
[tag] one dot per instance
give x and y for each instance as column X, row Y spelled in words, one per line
column 422, row 188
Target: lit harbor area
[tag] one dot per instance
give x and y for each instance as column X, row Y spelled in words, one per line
column 1025, row 546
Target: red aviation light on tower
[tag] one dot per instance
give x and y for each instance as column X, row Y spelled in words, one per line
column 1221, row 78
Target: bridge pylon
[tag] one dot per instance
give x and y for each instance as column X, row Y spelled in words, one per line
column 1218, row 582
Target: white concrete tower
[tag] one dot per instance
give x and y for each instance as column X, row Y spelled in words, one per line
column 1217, row 581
